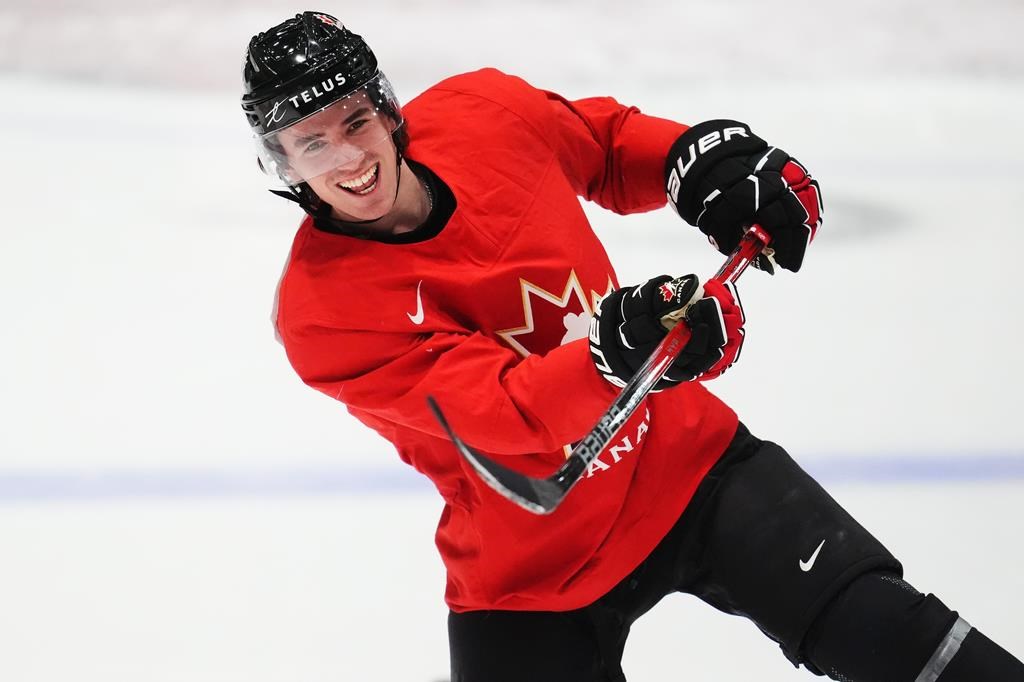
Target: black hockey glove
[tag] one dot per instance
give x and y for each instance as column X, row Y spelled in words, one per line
column 630, row 322
column 721, row 178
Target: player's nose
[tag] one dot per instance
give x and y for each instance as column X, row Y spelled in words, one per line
column 347, row 157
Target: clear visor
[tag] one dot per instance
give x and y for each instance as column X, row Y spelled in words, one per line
column 340, row 135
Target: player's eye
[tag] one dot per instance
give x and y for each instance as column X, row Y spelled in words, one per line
column 356, row 125
column 313, row 147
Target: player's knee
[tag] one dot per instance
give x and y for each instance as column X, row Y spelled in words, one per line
column 878, row 628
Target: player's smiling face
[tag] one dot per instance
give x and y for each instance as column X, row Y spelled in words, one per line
column 347, row 156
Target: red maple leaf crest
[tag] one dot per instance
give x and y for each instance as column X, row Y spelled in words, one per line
column 668, row 291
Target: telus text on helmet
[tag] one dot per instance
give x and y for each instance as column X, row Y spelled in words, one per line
column 313, row 93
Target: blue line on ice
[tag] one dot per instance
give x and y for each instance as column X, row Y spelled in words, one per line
column 112, row 484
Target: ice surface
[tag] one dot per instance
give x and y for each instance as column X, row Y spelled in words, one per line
column 176, row 505
column 349, row 588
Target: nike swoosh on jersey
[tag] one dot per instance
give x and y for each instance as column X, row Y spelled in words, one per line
column 809, row 564
column 418, row 317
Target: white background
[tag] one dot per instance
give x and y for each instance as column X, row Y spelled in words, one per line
column 176, row 505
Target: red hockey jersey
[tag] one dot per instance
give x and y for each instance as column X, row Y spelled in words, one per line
column 490, row 317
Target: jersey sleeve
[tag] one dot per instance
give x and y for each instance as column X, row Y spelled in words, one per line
column 494, row 399
column 612, row 154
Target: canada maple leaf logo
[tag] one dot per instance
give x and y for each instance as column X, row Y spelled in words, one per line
column 550, row 319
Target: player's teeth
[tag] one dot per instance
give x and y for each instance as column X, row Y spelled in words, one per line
column 361, row 180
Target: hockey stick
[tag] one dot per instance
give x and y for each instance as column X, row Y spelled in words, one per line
column 543, row 495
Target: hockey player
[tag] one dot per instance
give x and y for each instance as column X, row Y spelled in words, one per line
column 445, row 253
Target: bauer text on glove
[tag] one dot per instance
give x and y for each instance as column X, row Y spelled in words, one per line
column 721, row 178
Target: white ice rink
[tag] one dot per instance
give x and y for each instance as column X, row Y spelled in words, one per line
column 176, row 506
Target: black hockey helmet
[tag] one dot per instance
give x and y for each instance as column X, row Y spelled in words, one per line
column 301, row 67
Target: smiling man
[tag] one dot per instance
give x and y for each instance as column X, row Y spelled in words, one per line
column 338, row 144
column 446, row 253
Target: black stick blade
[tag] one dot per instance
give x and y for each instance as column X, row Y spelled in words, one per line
column 536, row 495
